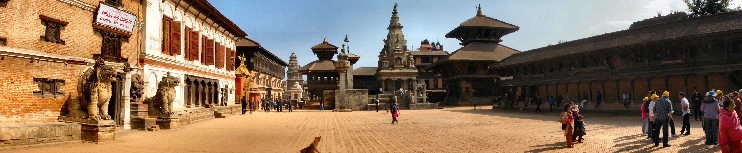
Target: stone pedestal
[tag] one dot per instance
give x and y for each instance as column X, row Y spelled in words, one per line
column 167, row 122
column 143, row 123
column 98, row 131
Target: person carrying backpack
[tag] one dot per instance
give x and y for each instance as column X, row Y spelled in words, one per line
column 395, row 112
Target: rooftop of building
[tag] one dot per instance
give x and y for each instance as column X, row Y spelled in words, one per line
column 249, row 43
column 674, row 29
column 365, row 71
column 212, row 13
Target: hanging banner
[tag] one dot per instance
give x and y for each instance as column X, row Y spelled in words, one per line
column 115, row 18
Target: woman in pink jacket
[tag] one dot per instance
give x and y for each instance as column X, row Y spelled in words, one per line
column 730, row 132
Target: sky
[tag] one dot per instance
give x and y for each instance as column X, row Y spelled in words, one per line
column 286, row 26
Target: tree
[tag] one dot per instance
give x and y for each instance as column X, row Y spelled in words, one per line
column 707, row 7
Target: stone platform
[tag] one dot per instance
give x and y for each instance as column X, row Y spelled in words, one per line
column 29, row 134
column 98, row 131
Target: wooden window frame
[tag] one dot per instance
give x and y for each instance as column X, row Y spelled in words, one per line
column 48, row 88
column 53, row 29
column 171, row 36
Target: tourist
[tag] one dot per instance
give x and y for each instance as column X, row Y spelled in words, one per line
column 279, row 105
column 291, row 106
column 652, row 123
column 730, row 132
column 252, row 107
column 598, row 99
column 321, row 105
column 567, row 121
column 537, row 100
column 626, row 100
column 686, row 114
column 575, row 114
column 738, row 104
column 645, row 116
column 244, row 105
column 551, row 103
column 663, row 114
column 579, row 129
column 710, row 108
column 697, row 105
column 376, row 103
column 395, row 112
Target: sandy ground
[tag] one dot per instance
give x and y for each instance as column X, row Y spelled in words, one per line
column 459, row 129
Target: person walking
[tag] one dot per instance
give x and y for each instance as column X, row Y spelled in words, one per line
column 662, row 114
column 626, row 100
column 551, row 103
column 291, row 105
column 696, row 105
column 395, row 112
column 252, row 107
column 244, row 105
column 575, row 115
column 710, row 108
column 376, row 103
column 321, row 105
column 730, row 132
column 568, row 128
column 538, row 102
column 686, row 114
column 645, row 116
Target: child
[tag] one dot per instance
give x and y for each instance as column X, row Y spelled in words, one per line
column 579, row 129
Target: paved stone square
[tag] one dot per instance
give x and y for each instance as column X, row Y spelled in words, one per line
column 460, row 129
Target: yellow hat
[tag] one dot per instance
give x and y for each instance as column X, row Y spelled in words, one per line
column 654, row 96
column 645, row 99
column 666, row 94
column 718, row 92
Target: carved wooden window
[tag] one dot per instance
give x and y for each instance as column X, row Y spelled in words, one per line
column 111, row 46
column 209, row 52
column 170, row 36
column 48, row 87
column 3, row 41
column 219, row 55
column 230, row 59
column 3, row 3
column 53, row 30
column 193, row 45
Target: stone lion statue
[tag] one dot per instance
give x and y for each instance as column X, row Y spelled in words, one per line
column 162, row 103
column 96, row 94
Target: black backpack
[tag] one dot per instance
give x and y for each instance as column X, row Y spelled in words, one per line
column 646, row 106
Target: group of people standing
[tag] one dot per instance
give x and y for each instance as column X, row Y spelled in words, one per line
column 719, row 116
column 277, row 105
column 573, row 124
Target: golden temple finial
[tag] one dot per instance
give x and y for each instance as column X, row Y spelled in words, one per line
column 479, row 10
column 325, row 41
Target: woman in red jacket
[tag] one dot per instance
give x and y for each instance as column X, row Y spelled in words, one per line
column 730, row 132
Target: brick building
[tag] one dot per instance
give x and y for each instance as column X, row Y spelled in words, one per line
column 47, row 50
column 266, row 72
column 676, row 53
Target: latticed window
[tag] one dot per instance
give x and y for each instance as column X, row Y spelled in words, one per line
column 53, row 30
column 111, row 45
column 3, row 41
column 48, row 87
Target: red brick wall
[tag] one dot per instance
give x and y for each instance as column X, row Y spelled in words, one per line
column 698, row 82
column 625, row 86
column 658, row 84
column 20, row 24
column 610, row 91
column 640, row 88
column 718, row 82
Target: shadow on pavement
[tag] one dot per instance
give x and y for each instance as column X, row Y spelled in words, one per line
column 550, row 147
column 607, row 119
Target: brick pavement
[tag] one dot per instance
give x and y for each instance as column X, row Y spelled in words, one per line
column 445, row 130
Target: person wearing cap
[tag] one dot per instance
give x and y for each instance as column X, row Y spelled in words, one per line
column 710, row 108
column 652, row 118
column 645, row 117
column 662, row 114
column 686, row 114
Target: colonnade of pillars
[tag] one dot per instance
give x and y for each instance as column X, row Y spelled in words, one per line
column 201, row 91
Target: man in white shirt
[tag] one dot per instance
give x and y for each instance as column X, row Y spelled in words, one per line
column 655, row 130
column 686, row 114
